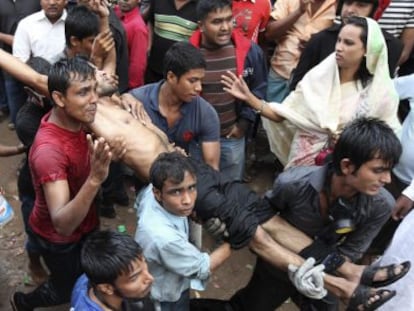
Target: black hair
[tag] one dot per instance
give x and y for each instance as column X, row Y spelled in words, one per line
column 181, row 57
column 371, row 14
column 80, row 23
column 170, row 166
column 65, row 70
column 108, row 254
column 204, row 7
column 365, row 139
column 362, row 73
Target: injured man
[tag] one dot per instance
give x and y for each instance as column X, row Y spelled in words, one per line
column 250, row 220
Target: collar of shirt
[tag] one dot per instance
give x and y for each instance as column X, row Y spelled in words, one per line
column 154, row 104
column 317, row 178
column 252, row 1
column 180, row 222
column 62, row 18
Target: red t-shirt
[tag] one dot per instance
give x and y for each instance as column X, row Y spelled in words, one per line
column 59, row 154
column 251, row 18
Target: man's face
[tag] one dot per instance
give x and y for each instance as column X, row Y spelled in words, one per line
column 217, row 27
column 178, row 199
column 84, row 46
column 127, row 5
column 356, row 8
column 53, row 9
column 79, row 102
column 188, row 86
column 136, row 283
column 370, row 177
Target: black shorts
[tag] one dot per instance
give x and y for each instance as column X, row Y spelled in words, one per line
column 240, row 208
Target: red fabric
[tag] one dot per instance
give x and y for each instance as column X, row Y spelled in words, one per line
column 241, row 44
column 137, row 37
column 383, row 4
column 251, row 18
column 59, row 154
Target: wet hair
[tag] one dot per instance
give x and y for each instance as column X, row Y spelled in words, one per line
column 108, row 254
column 181, row 57
column 66, row 70
column 371, row 14
column 365, row 139
column 204, row 7
column 362, row 73
column 80, row 23
column 172, row 166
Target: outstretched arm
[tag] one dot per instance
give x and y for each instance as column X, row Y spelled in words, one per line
column 237, row 87
column 23, row 72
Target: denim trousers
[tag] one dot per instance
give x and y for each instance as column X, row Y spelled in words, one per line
column 16, row 96
column 277, row 87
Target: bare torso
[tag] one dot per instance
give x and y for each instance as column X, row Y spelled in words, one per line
column 143, row 143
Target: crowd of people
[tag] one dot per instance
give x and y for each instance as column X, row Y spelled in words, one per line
column 175, row 90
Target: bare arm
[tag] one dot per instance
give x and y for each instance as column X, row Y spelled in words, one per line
column 6, row 38
column 23, row 72
column 407, row 38
column 277, row 28
column 211, row 153
column 68, row 214
column 6, row 151
column 219, row 255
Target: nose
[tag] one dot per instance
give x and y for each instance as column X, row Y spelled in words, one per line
column 338, row 46
column 148, row 277
column 386, row 177
column 94, row 96
column 198, row 87
column 186, row 198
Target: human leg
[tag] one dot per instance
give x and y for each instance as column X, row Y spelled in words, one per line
column 15, row 96
column 232, row 157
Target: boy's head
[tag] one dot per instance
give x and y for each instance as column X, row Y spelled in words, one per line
column 184, row 69
column 215, row 19
column 115, row 265
column 365, row 153
column 72, row 86
column 81, row 28
column 174, row 183
column 362, row 8
column 128, row 5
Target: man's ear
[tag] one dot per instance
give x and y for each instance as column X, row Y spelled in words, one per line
column 347, row 167
column 106, row 289
column 157, row 194
column 171, row 77
column 58, row 98
column 74, row 42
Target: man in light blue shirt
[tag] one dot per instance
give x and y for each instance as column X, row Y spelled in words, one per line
column 162, row 231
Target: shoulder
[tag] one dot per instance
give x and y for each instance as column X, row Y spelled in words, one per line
column 297, row 174
column 80, row 298
column 143, row 92
column 383, row 200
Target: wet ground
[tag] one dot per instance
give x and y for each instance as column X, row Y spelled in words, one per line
column 13, row 268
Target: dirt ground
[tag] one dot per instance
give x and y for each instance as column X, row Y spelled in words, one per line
column 13, row 268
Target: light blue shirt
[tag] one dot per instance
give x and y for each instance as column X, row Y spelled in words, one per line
column 172, row 259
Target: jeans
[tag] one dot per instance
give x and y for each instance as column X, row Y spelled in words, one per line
column 63, row 262
column 277, row 87
column 3, row 97
column 26, row 207
column 16, row 96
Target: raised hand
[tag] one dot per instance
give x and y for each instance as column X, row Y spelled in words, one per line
column 236, row 86
column 100, row 159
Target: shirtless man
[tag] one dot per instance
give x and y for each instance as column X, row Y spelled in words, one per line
column 214, row 199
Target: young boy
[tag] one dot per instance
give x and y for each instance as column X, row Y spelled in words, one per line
column 116, row 274
column 162, row 231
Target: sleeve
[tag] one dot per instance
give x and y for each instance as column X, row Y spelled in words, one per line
column 138, row 57
column 409, row 191
column 183, row 258
column 48, row 164
column 210, row 124
column 404, row 87
column 281, row 9
column 358, row 241
column 267, row 9
column 282, row 193
column 410, row 22
column 21, row 43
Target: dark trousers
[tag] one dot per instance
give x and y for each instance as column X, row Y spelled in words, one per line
column 63, row 262
column 269, row 287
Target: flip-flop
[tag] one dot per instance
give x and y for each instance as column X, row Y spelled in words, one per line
column 362, row 294
column 369, row 272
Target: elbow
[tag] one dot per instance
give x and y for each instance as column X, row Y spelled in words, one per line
column 62, row 229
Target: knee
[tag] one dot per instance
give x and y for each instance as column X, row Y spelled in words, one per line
column 261, row 240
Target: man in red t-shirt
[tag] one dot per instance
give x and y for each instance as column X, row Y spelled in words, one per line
column 67, row 170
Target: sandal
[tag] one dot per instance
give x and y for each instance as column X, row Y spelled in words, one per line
column 369, row 272
column 360, row 298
